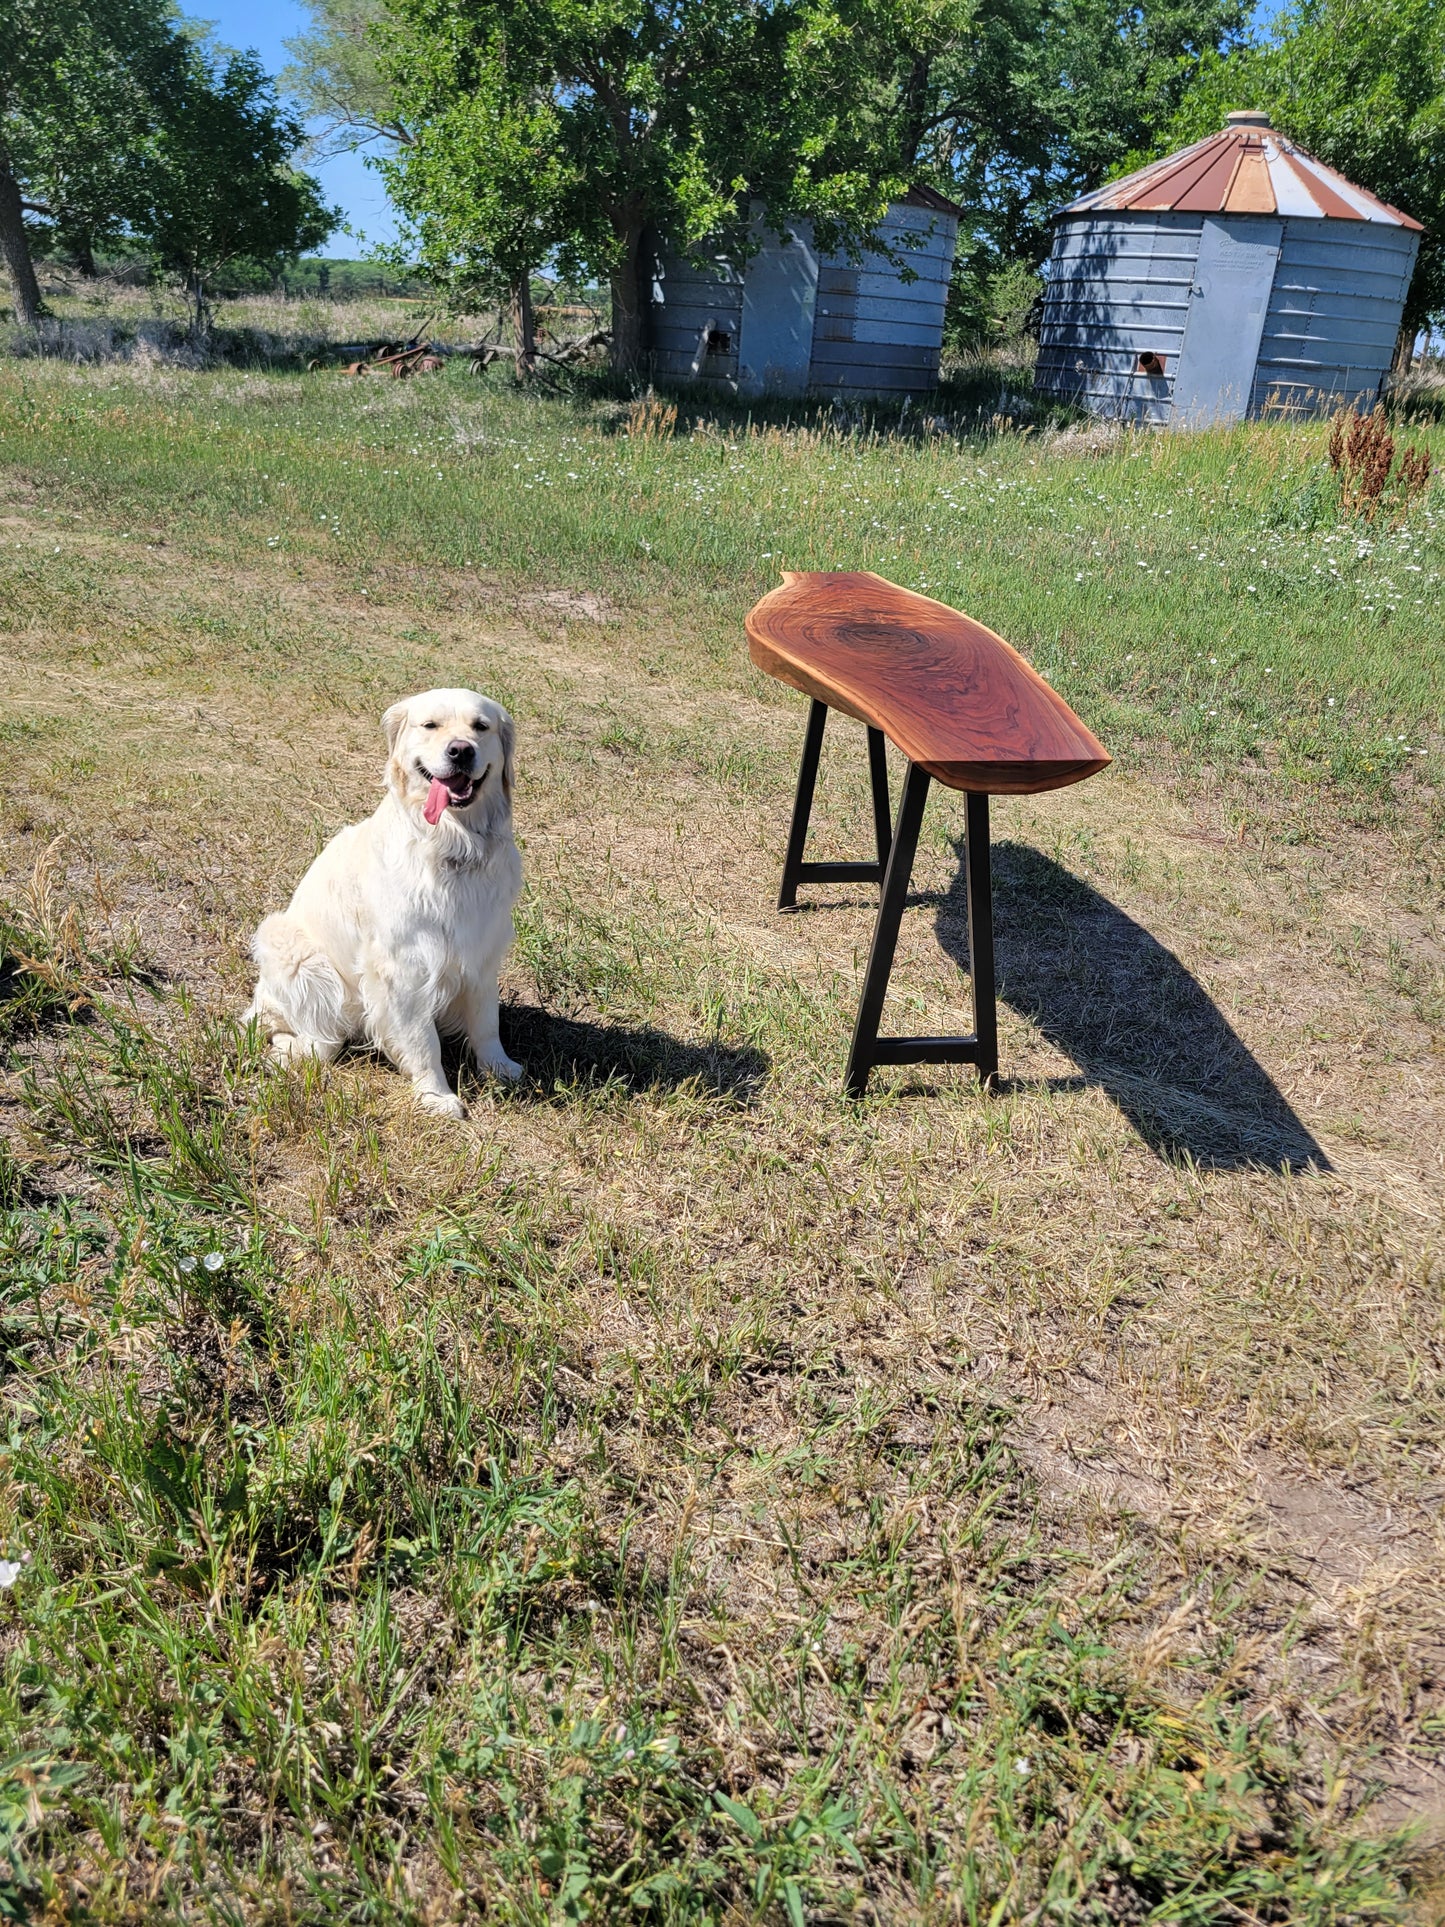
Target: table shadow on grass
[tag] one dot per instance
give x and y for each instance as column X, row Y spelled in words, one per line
column 571, row 1051
column 1107, row 994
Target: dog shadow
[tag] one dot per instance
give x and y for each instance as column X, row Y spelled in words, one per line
column 1135, row 1021
column 568, row 1051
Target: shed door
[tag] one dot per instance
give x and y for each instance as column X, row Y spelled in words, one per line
column 1227, row 305
column 780, row 294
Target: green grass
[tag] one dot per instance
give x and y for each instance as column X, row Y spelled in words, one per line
column 364, row 1609
column 681, row 1495
column 1194, row 592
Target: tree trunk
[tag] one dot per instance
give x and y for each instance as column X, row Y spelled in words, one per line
column 915, row 100
column 629, row 303
column 15, row 246
column 524, row 326
column 1404, row 349
column 200, row 306
column 82, row 254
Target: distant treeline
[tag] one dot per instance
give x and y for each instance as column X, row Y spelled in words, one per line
column 310, row 277
column 346, row 280
column 317, row 278
column 353, row 280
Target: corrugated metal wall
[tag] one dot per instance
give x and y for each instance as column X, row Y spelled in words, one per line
column 876, row 333
column 873, row 332
column 1334, row 312
column 1118, row 287
column 696, row 320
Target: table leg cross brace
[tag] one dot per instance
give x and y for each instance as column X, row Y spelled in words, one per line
column 893, row 871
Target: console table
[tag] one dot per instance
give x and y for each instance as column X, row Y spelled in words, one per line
column 966, row 710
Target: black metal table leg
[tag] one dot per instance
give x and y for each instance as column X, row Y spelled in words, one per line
column 863, row 1055
column 802, row 806
column 882, row 814
column 980, row 935
column 795, row 870
column 981, row 1047
column 897, row 845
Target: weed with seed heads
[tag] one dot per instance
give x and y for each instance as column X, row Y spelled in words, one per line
column 1362, row 454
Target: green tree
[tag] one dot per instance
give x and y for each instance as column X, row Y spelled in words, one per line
column 335, row 77
column 78, row 82
column 485, row 183
column 221, row 184
column 1360, row 84
column 642, row 114
column 575, row 125
column 1035, row 101
column 32, row 39
column 86, row 134
column 116, row 125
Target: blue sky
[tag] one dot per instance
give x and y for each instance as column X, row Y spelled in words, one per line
column 266, row 25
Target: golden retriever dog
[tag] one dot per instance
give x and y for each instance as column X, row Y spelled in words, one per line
column 397, row 931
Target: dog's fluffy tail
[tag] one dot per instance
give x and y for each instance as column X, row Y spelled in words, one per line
column 298, row 983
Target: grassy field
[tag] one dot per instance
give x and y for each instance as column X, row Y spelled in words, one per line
column 677, row 1493
column 107, row 318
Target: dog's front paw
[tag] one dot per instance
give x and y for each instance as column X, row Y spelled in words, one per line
column 441, row 1103
column 494, row 1059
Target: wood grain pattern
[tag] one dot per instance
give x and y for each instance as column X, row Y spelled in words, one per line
column 953, row 696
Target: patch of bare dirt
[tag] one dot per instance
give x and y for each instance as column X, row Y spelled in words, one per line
column 580, row 604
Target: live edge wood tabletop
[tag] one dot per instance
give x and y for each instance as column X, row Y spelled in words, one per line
column 965, row 709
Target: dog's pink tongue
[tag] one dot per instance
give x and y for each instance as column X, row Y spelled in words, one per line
column 437, row 798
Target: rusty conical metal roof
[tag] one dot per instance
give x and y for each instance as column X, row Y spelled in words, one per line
column 1247, row 168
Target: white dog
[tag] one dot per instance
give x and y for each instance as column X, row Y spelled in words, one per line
column 400, row 925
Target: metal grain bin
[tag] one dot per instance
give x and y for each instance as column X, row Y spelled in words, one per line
column 795, row 321
column 1238, row 277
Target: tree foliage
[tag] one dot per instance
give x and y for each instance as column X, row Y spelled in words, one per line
column 222, row 186
column 1028, row 103
column 117, row 127
column 80, row 106
column 335, row 77
column 489, row 189
column 600, row 119
column 77, row 79
column 1360, row 84
column 578, row 124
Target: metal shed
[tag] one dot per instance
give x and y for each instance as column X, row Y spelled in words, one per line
column 1238, row 277
column 797, row 321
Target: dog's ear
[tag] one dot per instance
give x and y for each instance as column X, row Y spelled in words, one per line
column 392, row 723
column 507, row 730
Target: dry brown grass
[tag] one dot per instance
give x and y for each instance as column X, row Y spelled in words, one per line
column 114, row 320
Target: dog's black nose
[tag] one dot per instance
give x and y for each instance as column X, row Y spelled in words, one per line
column 461, row 751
